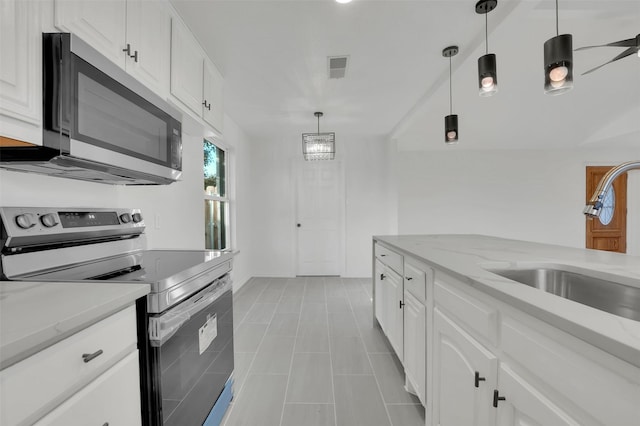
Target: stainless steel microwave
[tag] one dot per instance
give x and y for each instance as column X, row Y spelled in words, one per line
column 99, row 123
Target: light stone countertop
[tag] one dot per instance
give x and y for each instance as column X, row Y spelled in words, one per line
column 36, row 315
column 466, row 257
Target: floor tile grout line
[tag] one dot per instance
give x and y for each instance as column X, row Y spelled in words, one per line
column 375, row 377
column 333, row 382
column 293, row 354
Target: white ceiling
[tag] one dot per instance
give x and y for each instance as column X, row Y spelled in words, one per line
column 273, row 56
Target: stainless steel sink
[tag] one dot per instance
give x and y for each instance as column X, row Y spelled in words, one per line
column 608, row 296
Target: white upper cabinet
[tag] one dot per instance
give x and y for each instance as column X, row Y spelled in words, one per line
column 212, row 93
column 187, row 61
column 133, row 34
column 20, row 70
column 100, row 23
column 148, row 34
column 195, row 81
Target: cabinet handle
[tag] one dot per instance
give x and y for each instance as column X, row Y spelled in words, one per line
column 135, row 56
column 497, row 397
column 127, row 50
column 478, row 379
column 382, row 276
column 89, row 357
column 401, row 304
column 207, row 105
column 409, row 278
column 382, row 255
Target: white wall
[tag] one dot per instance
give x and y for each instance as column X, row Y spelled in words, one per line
column 521, row 194
column 367, row 209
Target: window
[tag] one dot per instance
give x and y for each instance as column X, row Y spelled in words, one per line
column 216, row 201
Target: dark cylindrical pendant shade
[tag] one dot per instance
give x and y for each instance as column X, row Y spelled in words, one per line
column 451, row 128
column 487, row 75
column 558, row 64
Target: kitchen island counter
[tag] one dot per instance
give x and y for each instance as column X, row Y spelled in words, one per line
column 35, row 315
column 469, row 258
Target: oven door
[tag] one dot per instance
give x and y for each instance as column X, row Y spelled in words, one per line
column 191, row 355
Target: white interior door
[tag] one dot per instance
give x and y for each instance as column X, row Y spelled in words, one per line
column 320, row 211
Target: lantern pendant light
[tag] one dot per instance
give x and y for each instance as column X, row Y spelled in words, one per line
column 450, row 121
column 487, row 73
column 558, row 62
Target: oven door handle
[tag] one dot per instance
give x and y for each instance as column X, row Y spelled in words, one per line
column 163, row 327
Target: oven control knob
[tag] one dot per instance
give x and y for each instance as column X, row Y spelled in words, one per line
column 137, row 217
column 49, row 220
column 25, row 221
column 125, row 217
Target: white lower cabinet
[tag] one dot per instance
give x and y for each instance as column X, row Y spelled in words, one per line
column 414, row 344
column 394, row 312
column 525, row 405
column 112, row 399
column 464, row 376
column 95, row 369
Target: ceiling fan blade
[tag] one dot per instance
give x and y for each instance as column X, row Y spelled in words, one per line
column 622, row 43
column 624, row 54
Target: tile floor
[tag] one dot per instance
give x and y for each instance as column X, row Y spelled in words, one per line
column 307, row 354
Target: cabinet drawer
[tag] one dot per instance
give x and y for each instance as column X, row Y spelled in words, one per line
column 415, row 281
column 474, row 314
column 576, row 371
column 389, row 258
column 35, row 385
column 112, row 399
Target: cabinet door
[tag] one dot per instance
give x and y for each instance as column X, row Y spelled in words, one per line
column 457, row 358
column 20, row 69
column 101, row 23
column 524, row 405
column 394, row 312
column 378, row 280
column 414, row 343
column 187, row 63
column 148, row 30
column 112, row 399
column 212, row 87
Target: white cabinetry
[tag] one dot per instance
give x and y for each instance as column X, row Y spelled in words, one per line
column 534, row 374
column 390, row 299
column 415, row 326
column 93, row 371
column 464, row 376
column 195, row 81
column 133, row 34
column 20, row 71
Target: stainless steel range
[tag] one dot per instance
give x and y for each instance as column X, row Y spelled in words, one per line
column 185, row 325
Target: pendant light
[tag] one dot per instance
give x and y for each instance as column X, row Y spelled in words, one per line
column 487, row 73
column 318, row 146
column 558, row 62
column 450, row 121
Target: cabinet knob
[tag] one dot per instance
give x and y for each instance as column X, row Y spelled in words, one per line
column 383, row 276
column 382, row 255
column 497, row 397
column 478, row 379
column 89, row 357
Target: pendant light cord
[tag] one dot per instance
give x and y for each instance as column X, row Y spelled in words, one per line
column 486, row 32
column 557, row 30
column 450, row 97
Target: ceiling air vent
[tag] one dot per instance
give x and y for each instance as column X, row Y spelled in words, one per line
column 337, row 66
